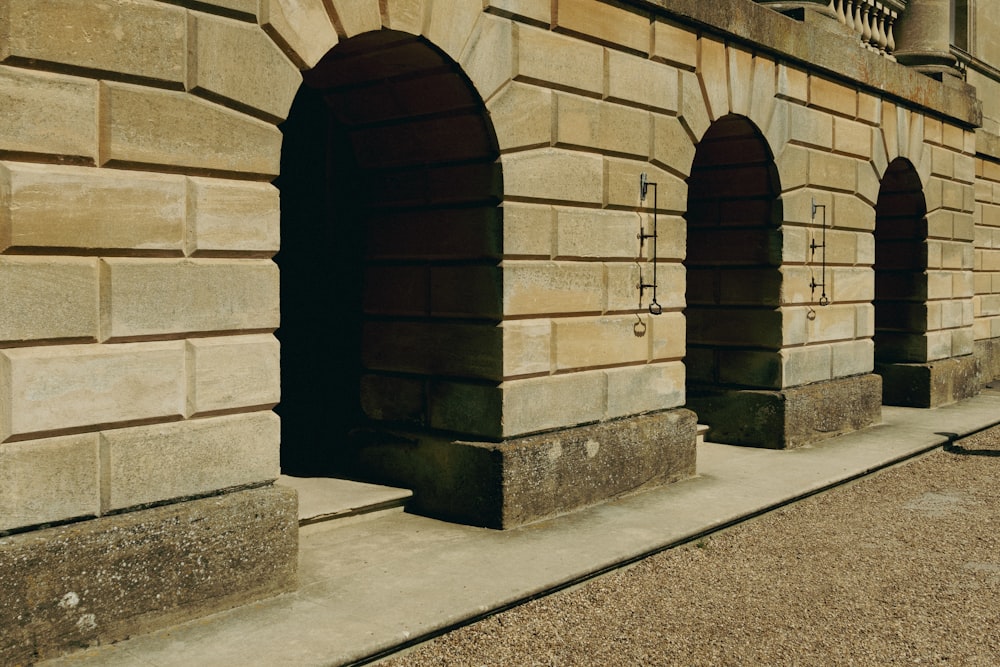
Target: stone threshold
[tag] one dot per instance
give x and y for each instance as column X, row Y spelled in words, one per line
column 329, row 501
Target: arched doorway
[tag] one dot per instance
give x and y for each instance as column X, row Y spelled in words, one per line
column 390, row 232
column 733, row 277
column 900, row 266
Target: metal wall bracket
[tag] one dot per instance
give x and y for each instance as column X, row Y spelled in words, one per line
column 654, row 306
column 824, row 300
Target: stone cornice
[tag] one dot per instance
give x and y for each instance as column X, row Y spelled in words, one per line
column 818, row 47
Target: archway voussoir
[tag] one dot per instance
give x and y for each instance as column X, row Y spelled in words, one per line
column 301, row 28
column 406, row 15
column 451, row 24
column 353, row 17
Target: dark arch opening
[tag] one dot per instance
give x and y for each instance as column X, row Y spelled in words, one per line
column 900, row 266
column 390, row 235
column 733, row 261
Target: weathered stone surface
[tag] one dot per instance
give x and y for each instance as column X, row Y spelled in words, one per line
column 50, row 206
column 222, row 48
column 103, row 580
column 675, row 45
column 143, row 297
column 54, row 479
column 178, row 130
column 534, row 287
column 356, row 16
column 551, row 174
column 70, row 386
column 48, row 298
column 232, row 216
column 530, row 10
column 523, row 480
column 134, row 37
column 149, row 464
column 789, row 417
column 538, row 404
column 48, row 114
column 233, row 372
column 929, row 385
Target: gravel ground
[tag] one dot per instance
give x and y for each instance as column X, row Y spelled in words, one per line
column 902, row 568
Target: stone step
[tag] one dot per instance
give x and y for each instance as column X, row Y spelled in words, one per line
column 333, row 502
column 702, row 430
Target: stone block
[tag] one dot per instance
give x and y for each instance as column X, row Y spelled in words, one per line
column 46, row 389
column 489, row 57
column 790, row 417
column 559, row 60
column 694, row 110
column 406, row 15
column 538, row 11
column 836, row 172
column 671, row 237
column 534, row 287
column 233, row 372
column 675, row 45
column 831, row 96
column 393, row 398
column 352, row 17
column 928, row 385
column 764, row 89
column 55, row 479
column 586, row 342
column 221, row 49
column 852, row 137
column 646, row 83
column 48, row 114
column 472, row 409
column 851, row 284
column 47, row 298
column 466, row 291
column 450, row 23
column 869, row 182
column 459, row 349
column 622, row 280
column 138, row 38
column 158, row 127
column 595, row 233
column 639, row 389
column 84, row 208
column 551, row 174
column 232, row 216
column 622, row 187
column 667, row 336
column 942, row 162
column 557, row 401
column 146, row 297
column 616, row 26
column 851, row 212
column 527, row 229
column 714, row 76
column 522, row 116
column 303, row 30
column 522, row 480
column 100, row 581
column 810, row 127
column 869, row 108
column 748, row 368
column 832, row 323
column 793, row 84
column 609, row 128
column 805, row 365
column 527, row 347
column 740, row 80
column 673, row 148
column 148, row 464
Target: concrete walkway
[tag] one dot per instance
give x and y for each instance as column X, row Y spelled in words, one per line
column 371, row 587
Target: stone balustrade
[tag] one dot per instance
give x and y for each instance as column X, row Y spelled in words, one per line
column 873, row 21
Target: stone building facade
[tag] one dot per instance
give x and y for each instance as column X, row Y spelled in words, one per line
column 526, row 246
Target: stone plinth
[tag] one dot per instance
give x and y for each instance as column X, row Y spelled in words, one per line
column 930, row 384
column 522, row 480
column 789, row 417
column 102, row 580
